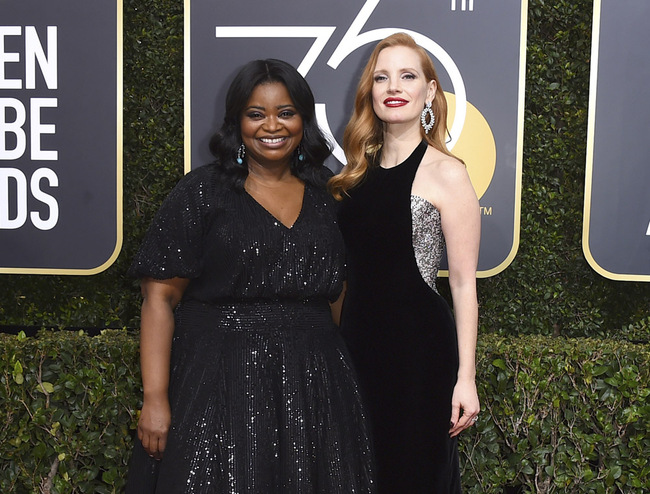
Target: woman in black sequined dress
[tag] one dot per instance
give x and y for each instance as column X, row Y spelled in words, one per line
column 247, row 384
column 404, row 197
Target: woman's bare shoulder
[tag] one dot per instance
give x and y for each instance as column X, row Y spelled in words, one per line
column 441, row 170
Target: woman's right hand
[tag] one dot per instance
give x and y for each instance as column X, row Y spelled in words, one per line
column 153, row 426
column 156, row 333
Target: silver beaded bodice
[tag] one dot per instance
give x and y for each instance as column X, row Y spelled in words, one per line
column 428, row 240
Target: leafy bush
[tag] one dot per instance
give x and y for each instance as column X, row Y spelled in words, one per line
column 559, row 415
column 68, row 405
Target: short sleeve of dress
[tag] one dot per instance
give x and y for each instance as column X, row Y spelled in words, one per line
column 172, row 247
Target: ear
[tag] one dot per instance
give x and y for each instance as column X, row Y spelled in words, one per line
column 431, row 90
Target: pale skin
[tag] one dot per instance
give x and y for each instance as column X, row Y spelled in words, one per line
column 444, row 182
column 271, row 130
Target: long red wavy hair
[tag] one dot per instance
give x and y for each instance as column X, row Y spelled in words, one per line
column 364, row 135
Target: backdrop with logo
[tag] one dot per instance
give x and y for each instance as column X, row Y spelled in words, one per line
column 478, row 47
column 616, row 232
column 60, row 136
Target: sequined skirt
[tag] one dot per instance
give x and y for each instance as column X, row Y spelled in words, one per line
column 263, row 400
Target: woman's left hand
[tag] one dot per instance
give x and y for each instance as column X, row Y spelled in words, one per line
column 465, row 398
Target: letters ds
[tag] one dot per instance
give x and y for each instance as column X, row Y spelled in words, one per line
column 17, row 77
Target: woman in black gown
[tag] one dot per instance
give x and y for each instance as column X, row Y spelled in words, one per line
column 247, row 385
column 404, row 195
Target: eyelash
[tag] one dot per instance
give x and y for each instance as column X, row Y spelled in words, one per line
column 258, row 115
column 382, row 78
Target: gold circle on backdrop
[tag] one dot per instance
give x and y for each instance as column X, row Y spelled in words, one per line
column 475, row 146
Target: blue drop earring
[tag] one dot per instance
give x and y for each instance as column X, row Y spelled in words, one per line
column 241, row 153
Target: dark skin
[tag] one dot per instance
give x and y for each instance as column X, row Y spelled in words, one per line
column 160, row 297
column 271, row 130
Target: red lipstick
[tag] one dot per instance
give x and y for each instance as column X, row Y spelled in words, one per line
column 395, row 102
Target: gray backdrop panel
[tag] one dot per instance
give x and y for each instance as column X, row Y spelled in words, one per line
column 87, row 236
column 616, row 238
column 484, row 40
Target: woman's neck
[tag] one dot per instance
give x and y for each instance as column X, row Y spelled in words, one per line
column 398, row 145
column 270, row 174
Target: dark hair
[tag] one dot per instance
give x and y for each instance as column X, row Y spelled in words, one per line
column 225, row 142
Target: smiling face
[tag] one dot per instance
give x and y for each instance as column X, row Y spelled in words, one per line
column 271, row 127
column 400, row 89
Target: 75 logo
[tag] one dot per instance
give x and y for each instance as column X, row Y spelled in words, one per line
column 353, row 40
column 469, row 134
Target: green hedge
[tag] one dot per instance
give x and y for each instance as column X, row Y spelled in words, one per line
column 559, row 415
column 68, row 404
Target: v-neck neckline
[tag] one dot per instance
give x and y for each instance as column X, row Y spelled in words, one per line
column 273, row 217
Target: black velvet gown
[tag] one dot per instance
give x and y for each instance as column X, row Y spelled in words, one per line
column 262, row 394
column 400, row 331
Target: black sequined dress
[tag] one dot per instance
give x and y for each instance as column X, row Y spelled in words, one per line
column 400, row 331
column 262, row 395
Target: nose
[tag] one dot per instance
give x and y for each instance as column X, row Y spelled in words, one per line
column 272, row 123
column 394, row 85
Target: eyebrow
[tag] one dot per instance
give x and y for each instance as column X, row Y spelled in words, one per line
column 403, row 69
column 279, row 107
